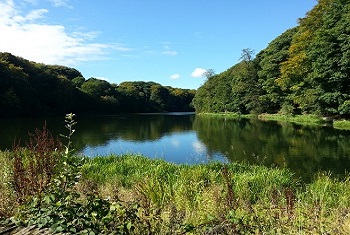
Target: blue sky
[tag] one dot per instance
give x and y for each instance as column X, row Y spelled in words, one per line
column 170, row 42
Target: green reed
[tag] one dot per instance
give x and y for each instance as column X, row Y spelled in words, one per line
column 225, row 198
column 300, row 119
column 341, row 124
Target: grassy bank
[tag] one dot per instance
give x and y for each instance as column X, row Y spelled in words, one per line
column 153, row 196
column 232, row 198
column 342, row 124
column 228, row 115
column 299, row 119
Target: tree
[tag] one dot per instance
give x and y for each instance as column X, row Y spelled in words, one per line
column 247, row 55
column 245, row 86
column 78, row 81
column 159, row 98
column 209, row 73
column 97, row 87
column 329, row 53
column 269, row 70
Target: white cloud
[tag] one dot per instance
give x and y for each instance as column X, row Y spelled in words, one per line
column 167, row 49
column 34, row 2
column 175, row 76
column 60, row 3
column 169, row 52
column 23, row 36
column 120, row 47
column 35, row 14
column 198, row 72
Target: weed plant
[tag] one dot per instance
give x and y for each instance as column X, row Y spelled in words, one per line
column 35, row 165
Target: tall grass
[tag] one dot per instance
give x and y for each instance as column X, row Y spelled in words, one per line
column 221, row 198
column 7, row 196
column 212, row 198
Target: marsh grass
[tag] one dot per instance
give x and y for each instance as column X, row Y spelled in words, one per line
column 299, row 119
column 198, row 192
column 218, row 198
column 228, row 115
column 212, row 198
column 341, row 124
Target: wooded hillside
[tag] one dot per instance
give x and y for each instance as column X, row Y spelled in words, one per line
column 304, row 70
column 31, row 89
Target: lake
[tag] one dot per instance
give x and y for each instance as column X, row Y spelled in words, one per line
column 187, row 138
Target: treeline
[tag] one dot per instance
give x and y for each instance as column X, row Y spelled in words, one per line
column 304, row 70
column 32, row 89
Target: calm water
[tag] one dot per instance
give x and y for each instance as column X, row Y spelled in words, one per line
column 186, row 138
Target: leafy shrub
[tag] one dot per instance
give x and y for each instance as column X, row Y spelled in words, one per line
column 287, row 109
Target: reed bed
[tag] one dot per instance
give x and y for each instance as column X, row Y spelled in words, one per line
column 159, row 197
column 341, row 124
column 230, row 198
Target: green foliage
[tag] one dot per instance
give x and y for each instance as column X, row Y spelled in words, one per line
column 235, row 90
column 269, row 65
column 307, row 68
column 152, row 97
column 97, row 87
column 31, row 89
column 28, row 88
column 78, row 81
column 67, row 212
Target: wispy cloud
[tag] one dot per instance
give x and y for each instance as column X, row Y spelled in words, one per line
column 22, row 34
column 61, row 3
column 34, row 2
column 198, row 72
column 34, row 15
column 175, row 76
column 167, row 50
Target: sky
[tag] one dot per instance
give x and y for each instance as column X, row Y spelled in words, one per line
column 171, row 42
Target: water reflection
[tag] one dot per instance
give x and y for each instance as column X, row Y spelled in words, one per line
column 303, row 149
column 166, row 136
column 196, row 139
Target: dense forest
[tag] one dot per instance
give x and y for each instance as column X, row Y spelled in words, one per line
column 32, row 89
column 306, row 70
